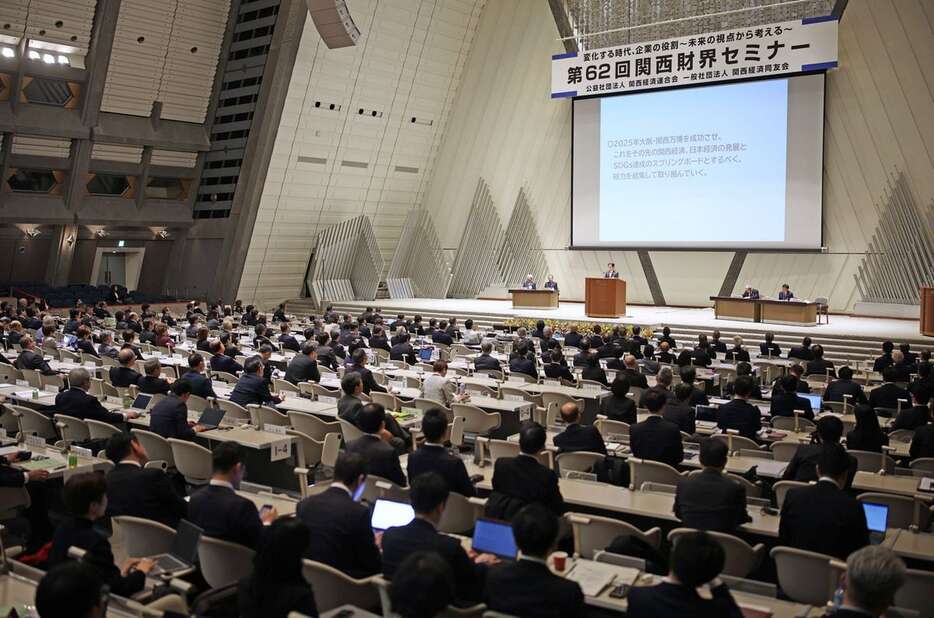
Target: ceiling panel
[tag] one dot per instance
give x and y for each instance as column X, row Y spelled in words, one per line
column 115, row 152
column 67, row 22
column 41, row 146
column 13, row 17
column 174, row 158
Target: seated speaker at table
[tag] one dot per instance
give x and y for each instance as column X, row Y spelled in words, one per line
column 785, row 293
column 551, row 284
column 529, row 283
column 750, row 292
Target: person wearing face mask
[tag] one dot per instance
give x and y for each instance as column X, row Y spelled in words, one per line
column 220, row 511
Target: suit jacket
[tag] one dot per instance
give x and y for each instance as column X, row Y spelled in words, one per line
column 635, row 378
column 823, row 519
column 302, row 368
column 201, row 385
column 278, row 600
column 922, row 444
column 369, row 382
column 912, row 418
column 669, row 396
column 737, row 355
column 578, row 437
column 10, row 476
column 169, row 419
column 147, row 493
column 882, row 362
column 288, row 342
column 573, row 340
column 656, row 439
column 403, row 352
column 420, row 535
column 703, row 357
column 436, row 458
column 785, row 404
column 801, row 353
column 80, row 532
column 764, row 349
column 222, row 514
column 152, row 385
column 681, row 415
column 524, row 366
column 87, row 347
column 753, row 293
column 803, row 465
column 711, row 501
column 887, row 396
column 522, row 480
column 597, row 374
column 380, row 458
column 528, row 589
column 348, row 407
column 619, row 409
column 251, row 388
column 222, row 362
column 439, row 336
column 340, row 533
column 819, row 366
column 611, row 274
column 28, row 359
column 485, row 361
column 124, row 376
column 740, row 415
column 558, row 371
column 77, row 403
column 785, row 295
column 669, row 600
column 838, row 388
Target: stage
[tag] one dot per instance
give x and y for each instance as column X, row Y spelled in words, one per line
column 680, row 319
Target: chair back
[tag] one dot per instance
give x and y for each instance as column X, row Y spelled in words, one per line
column 232, row 411
column 606, row 427
column 99, row 430
column 140, row 537
column 389, row 401
column 86, row 358
column 915, row 593
column 31, row 422
column 923, row 466
column 225, row 377
column 9, row 374
column 643, row 470
column 787, row 423
column 901, row 509
column 281, row 385
column 32, row 377
column 459, row 515
column 72, row 429
column 784, row 450
column 805, row 576
column 476, row 420
column 424, row 405
column 480, row 390
column 157, row 447
column 197, row 403
column 319, row 391
column 261, row 416
column 333, row 588
column 109, row 389
column 223, row 562
column 581, row 461
column 309, row 450
column 378, row 487
column 349, row 431
column 736, row 442
column 96, row 388
column 902, row 435
column 559, row 399
column 868, row 461
column 312, row 426
column 192, row 460
column 741, row 558
column 511, row 392
column 781, row 489
column 594, row 533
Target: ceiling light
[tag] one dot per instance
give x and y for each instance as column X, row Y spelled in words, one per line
column 101, row 233
column 163, row 234
column 33, row 55
column 63, row 60
column 7, row 52
column 48, row 58
column 32, row 232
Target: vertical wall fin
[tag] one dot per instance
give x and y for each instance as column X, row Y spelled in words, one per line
column 419, row 268
column 346, row 263
column 521, row 253
column 475, row 265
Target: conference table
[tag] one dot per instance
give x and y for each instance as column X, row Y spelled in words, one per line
column 523, row 298
column 769, row 310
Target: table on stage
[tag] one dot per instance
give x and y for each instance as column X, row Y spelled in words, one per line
column 927, row 312
column 604, row 297
column 538, row 299
column 794, row 312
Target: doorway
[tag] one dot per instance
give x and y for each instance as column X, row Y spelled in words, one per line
column 113, row 266
column 112, row 269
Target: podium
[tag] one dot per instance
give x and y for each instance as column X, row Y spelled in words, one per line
column 927, row 311
column 604, row 298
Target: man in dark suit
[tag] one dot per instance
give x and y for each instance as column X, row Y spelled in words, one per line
column 710, row 500
column 887, row 395
column 737, row 353
column 873, row 576
column 169, row 417
column 572, row 337
column 403, row 350
column 922, row 443
column 916, row 416
column 251, row 387
column 219, row 511
column 350, row 404
column 655, row 438
column 696, row 561
column 201, row 385
column 823, row 518
column 359, row 367
column 432, row 456
column 577, row 437
column 785, row 399
column 522, row 480
column 522, row 361
column 611, row 272
column 738, row 413
column 304, row 367
column 441, row 335
column 485, row 360
column 662, row 385
column 802, row 352
column 769, row 347
column 632, row 373
column 340, row 532
column 844, row 385
column 137, row 491
column 380, row 458
column 286, row 340
column 750, row 292
column 78, row 403
column 679, row 410
column 124, row 374
column 378, row 341
column 819, row 365
column 884, row 361
column 689, row 376
column 220, row 361
column 429, row 494
column 152, row 383
column 527, row 587
column 803, row 464
column 785, row 293
column 529, row 283
column 29, row 358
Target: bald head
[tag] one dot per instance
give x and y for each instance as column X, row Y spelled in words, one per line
column 630, row 361
column 570, row 413
column 126, row 356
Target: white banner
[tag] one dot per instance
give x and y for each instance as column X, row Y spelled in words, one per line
column 774, row 49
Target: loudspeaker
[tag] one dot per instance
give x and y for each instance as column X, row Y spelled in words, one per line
column 334, row 23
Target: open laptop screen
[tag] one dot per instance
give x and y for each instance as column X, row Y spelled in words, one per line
column 877, row 516
column 494, row 537
column 816, row 400
column 142, row 401
column 389, row 514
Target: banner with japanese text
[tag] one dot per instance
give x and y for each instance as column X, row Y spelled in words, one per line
column 773, row 49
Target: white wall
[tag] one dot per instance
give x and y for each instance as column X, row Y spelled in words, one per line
column 407, row 64
column 505, row 128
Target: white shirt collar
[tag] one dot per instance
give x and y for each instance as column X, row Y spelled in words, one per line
column 131, row 462
column 528, row 558
column 340, row 485
column 829, row 480
column 220, row 483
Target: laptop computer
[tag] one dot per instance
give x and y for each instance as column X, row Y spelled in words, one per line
column 877, row 517
column 424, row 354
column 816, row 400
column 390, row 514
column 494, row 537
column 211, row 418
column 141, row 402
column 69, row 340
column 183, row 552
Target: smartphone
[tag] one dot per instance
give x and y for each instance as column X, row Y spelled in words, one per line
column 619, row 591
column 265, row 509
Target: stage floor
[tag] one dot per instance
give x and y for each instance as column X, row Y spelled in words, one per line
column 840, row 325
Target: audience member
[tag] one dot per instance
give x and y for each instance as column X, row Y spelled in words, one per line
column 70, row 590
column 785, row 400
column 577, row 437
column 866, row 435
column 618, row 406
column 679, row 409
column 77, row 402
column 423, row 587
column 152, row 383
column 710, row 499
column 738, row 413
column 251, row 388
column 844, row 385
column 433, row 456
column 276, row 587
column 124, row 374
column 201, row 384
column 522, row 480
column 655, row 438
column 380, row 458
column 137, row 491
column 888, row 394
column 873, row 576
column 916, row 416
column 804, row 463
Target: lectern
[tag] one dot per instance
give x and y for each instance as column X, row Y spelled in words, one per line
column 604, row 298
column 927, row 311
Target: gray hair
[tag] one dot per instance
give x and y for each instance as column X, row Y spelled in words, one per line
column 79, row 377
column 547, row 332
column 152, row 366
column 738, row 341
column 873, row 575
column 664, row 376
